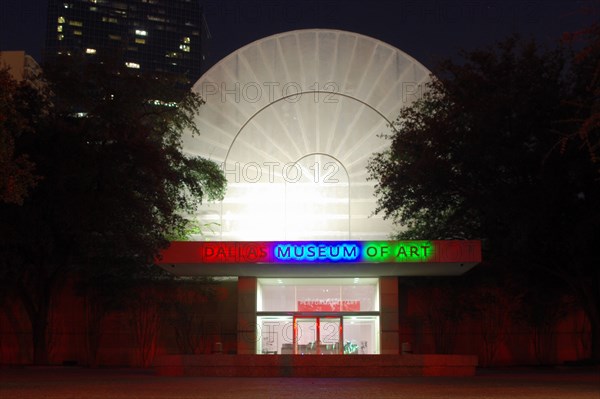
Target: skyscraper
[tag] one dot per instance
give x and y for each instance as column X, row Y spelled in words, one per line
column 163, row 36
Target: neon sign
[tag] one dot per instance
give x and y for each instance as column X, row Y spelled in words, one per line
column 322, row 252
column 399, row 251
column 317, row 252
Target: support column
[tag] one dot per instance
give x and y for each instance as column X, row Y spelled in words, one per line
column 246, row 317
column 388, row 321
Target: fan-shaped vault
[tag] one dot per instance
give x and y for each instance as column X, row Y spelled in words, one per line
column 293, row 118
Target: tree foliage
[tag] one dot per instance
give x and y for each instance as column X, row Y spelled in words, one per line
column 471, row 149
column 586, row 98
column 20, row 108
column 476, row 157
column 115, row 184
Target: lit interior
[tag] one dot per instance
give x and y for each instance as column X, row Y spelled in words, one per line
column 317, row 316
column 317, row 295
column 359, row 335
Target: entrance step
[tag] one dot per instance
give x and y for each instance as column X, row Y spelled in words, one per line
column 316, row 366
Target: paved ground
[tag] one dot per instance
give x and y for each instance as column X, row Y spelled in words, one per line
column 68, row 383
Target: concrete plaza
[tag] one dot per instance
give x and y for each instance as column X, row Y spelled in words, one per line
column 70, row 383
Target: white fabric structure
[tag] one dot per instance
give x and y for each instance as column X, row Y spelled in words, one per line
column 293, row 118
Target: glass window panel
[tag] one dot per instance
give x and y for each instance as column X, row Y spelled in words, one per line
column 361, row 335
column 276, row 298
column 275, row 335
column 329, row 335
column 318, row 295
column 306, row 339
column 358, row 297
column 318, row 298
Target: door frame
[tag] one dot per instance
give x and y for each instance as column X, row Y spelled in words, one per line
column 317, row 318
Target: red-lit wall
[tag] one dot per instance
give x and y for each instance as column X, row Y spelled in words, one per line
column 217, row 320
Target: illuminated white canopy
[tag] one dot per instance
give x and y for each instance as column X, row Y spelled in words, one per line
column 293, row 118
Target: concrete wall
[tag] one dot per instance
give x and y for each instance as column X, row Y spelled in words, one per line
column 246, row 316
column 389, row 326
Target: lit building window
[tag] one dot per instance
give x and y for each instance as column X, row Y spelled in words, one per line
column 75, row 23
column 172, row 54
column 133, row 65
column 61, row 36
column 90, row 51
column 93, row 8
column 61, row 20
column 114, row 37
column 93, row 1
column 155, row 18
column 59, row 28
column 186, row 40
column 140, row 32
column 77, row 32
column 140, row 41
column 184, row 47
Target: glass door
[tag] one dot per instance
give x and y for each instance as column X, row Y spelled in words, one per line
column 320, row 335
column 330, row 334
column 305, row 335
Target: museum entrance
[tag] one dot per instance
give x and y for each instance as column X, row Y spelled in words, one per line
column 309, row 316
column 320, row 335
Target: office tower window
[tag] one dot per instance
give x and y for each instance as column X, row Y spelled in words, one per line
column 151, row 33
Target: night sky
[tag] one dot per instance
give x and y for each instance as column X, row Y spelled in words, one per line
column 425, row 29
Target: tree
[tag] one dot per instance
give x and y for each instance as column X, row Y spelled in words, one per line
column 145, row 320
column 115, row 184
column 19, row 105
column 442, row 308
column 474, row 158
column 188, row 305
column 493, row 309
column 540, row 313
column 586, row 97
